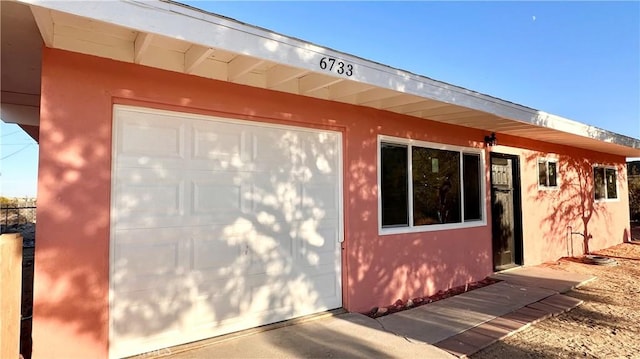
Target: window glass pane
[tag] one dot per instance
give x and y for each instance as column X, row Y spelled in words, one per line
column 542, row 172
column 553, row 181
column 436, row 186
column 394, row 186
column 598, row 182
column 471, row 184
column 612, row 191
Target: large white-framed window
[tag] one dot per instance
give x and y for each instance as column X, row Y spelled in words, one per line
column 547, row 173
column 605, row 183
column 425, row 186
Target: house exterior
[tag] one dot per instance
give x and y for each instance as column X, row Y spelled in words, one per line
column 200, row 176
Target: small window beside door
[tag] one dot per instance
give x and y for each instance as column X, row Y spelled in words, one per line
column 605, row 183
column 547, row 173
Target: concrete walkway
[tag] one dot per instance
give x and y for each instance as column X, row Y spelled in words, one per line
column 454, row 327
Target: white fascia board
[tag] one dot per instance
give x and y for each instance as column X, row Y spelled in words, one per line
column 182, row 22
column 569, row 126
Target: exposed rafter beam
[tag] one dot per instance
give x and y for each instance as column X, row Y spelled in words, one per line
column 347, row 88
column 453, row 116
column 210, row 30
column 401, row 99
column 242, row 65
column 45, row 24
column 195, row 56
column 278, row 75
column 314, row 82
column 418, row 106
column 141, row 44
column 370, row 95
column 374, row 94
column 483, row 122
column 447, row 110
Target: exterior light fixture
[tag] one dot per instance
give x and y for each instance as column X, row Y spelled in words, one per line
column 491, row 140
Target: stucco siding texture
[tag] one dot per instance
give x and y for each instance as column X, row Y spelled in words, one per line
column 72, row 253
column 551, row 215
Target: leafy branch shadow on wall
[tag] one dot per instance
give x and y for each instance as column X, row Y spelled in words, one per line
column 570, row 207
column 260, row 256
column 167, row 290
column 409, row 265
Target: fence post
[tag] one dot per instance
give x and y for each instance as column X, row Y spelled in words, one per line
column 10, row 294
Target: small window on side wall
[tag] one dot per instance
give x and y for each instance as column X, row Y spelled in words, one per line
column 605, row 182
column 547, row 173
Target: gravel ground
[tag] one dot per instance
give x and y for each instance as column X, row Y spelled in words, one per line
column 606, row 325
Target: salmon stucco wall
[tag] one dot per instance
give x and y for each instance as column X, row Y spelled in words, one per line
column 557, row 220
column 72, row 255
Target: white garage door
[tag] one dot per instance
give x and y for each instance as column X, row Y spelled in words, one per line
column 219, row 225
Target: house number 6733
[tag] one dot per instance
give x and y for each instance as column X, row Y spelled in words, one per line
column 337, row 66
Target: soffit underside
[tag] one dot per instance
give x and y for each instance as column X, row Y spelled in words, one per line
column 78, row 34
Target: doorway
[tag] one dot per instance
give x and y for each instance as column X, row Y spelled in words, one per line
column 506, row 211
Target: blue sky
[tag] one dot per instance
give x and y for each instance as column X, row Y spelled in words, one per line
column 579, row 60
column 18, row 162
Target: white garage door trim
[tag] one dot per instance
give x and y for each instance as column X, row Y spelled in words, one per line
column 304, row 195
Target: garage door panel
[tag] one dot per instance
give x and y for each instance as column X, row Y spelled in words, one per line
column 144, row 198
column 317, row 247
column 144, row 320
column 320, row 201
column 279, row 198
column 320, row 155
column 222, row 143
column 217, row 301
column 269, row 256
column 145, row 287
column 258, row 266
column 268, row 297
column 157, row 306
column 271, row 148
column 310, row 293
column 147, row 319
column 210, row 290
column 144, row 140
column 234, row 224
column 158, row 139
column 231, row 301
column 153, row 199
column 216, row 256
column 146, row 258
column 326, row 286
column 184, row 302
column 153, row 291
column 214, row 197
column 220, row 196
column 319, row 195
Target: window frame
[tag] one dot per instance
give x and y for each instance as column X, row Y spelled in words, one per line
column 547, row 187
column 606, row 197
column 411, row 228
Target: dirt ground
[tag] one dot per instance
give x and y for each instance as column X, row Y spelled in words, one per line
column 606, row 325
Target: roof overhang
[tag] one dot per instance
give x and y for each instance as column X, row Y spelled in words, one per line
column 21, row 57
column 180, row 38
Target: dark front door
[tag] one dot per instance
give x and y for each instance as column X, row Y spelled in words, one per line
column 505, row 212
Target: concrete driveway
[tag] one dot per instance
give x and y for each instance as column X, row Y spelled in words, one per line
column 454, row 327
column 349, row 335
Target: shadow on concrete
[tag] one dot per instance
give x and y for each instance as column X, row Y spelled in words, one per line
column 349, row 335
